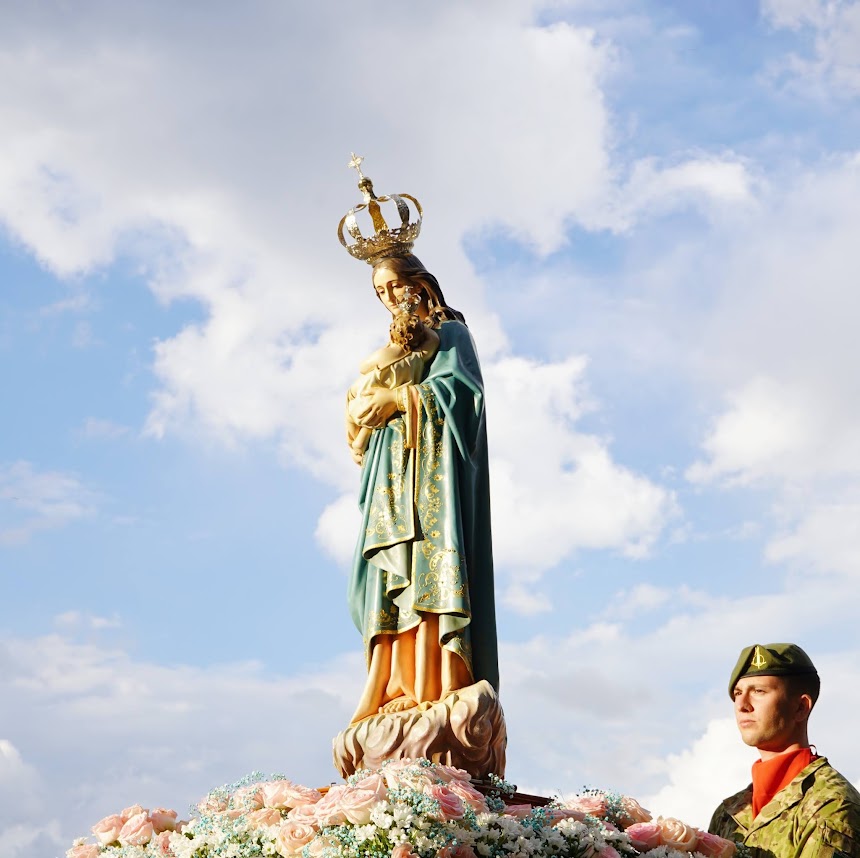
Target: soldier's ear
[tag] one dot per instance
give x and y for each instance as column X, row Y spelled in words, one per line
column 804, row 706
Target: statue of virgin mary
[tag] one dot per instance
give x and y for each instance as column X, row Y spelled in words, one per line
column 421, row 586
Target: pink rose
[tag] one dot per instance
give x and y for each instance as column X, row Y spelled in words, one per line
column 163, row 819
column 404, row 778
column 406, row 773
column 248, row 798
column 633, row 811
column 265, row 816
column 215, row 802
column 107, row 830
column 293, row 836
column 306, row 814
column 375, row 783
column 134, row 810
column 450, row 805
column 285, row 794
column 609, row 852
column 162, row 842
column 403, row 850
column 451, row 773
column 459, row 851
column 518, row 811
column 645, row 835
column 556, row 814
column 676, row 834
column 137, row 831
column 468, row 795
column 592, row 805
column 356, row 803
column 181, row 825
column 713, row 846
column 328, row 810
column 277, row 794
column 83, row 850
column 320, row 845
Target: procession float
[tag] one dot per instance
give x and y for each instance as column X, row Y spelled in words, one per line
column 422, row 760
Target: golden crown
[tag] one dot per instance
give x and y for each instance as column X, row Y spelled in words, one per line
column 385, row 241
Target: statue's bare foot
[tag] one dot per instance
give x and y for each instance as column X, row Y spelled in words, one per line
column 399, row 704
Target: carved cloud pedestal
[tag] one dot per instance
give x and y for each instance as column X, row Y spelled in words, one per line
column 466, row 729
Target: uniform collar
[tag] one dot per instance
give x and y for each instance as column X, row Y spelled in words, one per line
column 741, row 809
column 772, row 776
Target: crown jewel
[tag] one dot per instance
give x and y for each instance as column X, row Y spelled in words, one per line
column 385, row 241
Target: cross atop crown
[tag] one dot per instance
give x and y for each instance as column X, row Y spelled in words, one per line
column 384, row 241
column 355, row 164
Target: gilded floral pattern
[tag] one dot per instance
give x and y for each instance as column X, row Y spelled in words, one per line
column 390, row 518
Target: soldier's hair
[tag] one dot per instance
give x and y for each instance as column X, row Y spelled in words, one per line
column 806, row 683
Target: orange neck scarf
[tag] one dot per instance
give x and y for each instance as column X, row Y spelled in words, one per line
column 771, row 776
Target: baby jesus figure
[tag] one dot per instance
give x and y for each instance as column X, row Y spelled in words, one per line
column 400, row 362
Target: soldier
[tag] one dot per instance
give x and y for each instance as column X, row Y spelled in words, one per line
column 798, row 805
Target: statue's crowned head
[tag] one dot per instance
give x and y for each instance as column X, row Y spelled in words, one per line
column 381, row 240
column 389, row 249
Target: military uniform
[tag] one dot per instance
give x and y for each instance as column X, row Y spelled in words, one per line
column 816, row 816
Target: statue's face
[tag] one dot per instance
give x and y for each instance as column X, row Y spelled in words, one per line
column 390, row 288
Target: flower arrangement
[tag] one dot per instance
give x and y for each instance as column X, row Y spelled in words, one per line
column 405, row 809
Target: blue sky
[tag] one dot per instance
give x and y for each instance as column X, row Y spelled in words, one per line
column 648, row 212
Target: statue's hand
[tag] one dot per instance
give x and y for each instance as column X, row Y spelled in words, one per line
column 380, row 407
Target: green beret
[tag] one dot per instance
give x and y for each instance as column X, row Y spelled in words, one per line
column 775, row 659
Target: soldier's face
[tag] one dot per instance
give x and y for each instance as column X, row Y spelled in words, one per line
column 768, row 717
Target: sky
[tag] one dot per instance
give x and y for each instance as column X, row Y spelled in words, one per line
column 648, row 212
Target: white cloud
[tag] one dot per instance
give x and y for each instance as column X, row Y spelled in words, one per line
column 75, row 620
column 714, row 767
column 796, row 13
column 98, row 428
column 522, row 598
column 18, row 781
column 710, row 184
column 82, row 335
column 338, row 527
column 32, row 501
column 26, row 827
column 36, row 839
column 768, row 430
column 557, row 489
column 80, row 303
column 779, row 343
column 104, row 730
column 833, row 65
column 826, row 539
column 643, row 599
